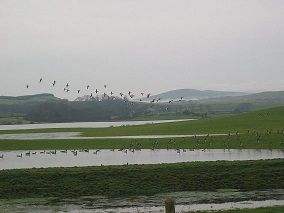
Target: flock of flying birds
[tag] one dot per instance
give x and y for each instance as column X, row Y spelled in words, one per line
column 130, row 94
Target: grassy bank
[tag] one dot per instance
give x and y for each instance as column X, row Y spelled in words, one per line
column 259, row 121
column 277, row 209
column 256, row 130
column 241, row 141
column 141, row 180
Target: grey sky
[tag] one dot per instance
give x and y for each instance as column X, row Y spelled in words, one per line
column 141, row 45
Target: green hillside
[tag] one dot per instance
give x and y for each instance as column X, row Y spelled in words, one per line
column 27, row 98
column 238, row 104
column 271, row 119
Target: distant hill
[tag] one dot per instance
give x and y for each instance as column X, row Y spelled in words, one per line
column 267, row 97
column 249, row 102
column 193, row 94
column 28, row 98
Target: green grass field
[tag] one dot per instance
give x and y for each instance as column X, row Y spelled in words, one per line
column 256, row 130
column 117, row 181
column 245, row 141
column 271, row 119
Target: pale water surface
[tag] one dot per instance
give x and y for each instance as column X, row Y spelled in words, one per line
column 67, row 158
column 85, row 124
column 78, row 135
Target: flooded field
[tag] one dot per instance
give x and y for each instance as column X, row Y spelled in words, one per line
column 77, row 135
column 85, row 124
column 71, row 158
column 185, row 201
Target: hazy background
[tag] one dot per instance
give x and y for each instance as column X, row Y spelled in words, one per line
column 141, row 45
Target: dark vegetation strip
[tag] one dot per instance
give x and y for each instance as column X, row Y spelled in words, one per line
column 117, row 181
column 242, row 141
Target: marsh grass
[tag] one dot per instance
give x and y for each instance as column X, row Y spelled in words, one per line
column 118, row 181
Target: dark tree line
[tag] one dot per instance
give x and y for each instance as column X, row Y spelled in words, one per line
column 83, row 111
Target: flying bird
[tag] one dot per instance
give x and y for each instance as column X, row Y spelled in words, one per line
column 96, row 91
column 40, row 80
column 148, row 95
column 53, row 83
column 27, row 86
column 88, row 86
column 105, row 86
column 67, row 85
column 78, row 91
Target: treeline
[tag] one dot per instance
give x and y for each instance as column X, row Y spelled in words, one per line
column 48, row 108
column 84, row 111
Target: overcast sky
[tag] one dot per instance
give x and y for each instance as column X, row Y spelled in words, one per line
column 141, row 45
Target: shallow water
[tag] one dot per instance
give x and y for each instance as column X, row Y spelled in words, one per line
column 185, row 201
column 85, row 124
column 36, row 159
column 77, row 135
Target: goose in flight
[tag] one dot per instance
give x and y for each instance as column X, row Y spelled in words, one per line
column 53, row 83
column 40, row 80
column 66, row 89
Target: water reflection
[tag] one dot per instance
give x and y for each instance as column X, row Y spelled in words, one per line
column 71, row 158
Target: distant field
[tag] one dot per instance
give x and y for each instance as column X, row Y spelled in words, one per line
column 262, row 129
column 262, row 121
column 119, row 181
